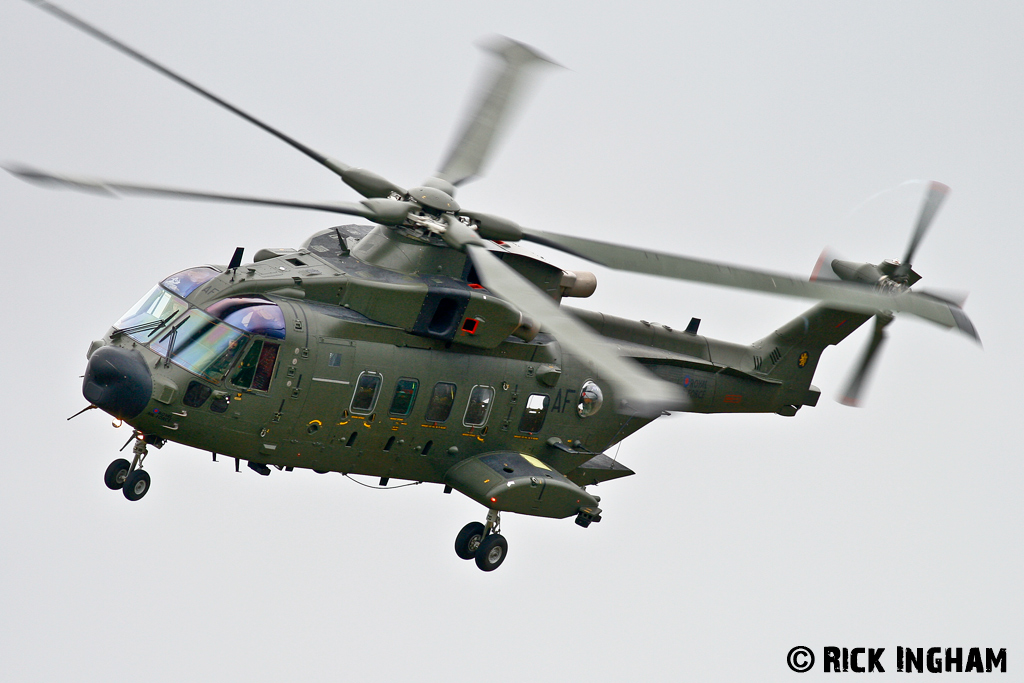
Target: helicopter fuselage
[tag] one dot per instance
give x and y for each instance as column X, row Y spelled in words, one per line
column 370, row 352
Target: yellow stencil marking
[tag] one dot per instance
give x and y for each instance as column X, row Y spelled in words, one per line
column 535, row 462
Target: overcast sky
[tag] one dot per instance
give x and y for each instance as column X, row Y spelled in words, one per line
column 740, row 131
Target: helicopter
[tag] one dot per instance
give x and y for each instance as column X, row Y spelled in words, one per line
column 430, row 346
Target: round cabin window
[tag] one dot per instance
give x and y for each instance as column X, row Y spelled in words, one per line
column 591, row 399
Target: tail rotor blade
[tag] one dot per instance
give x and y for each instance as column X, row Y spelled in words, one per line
column 823, row 268
column 860, row 377
column 933, row 200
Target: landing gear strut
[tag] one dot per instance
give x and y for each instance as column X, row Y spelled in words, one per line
column 129, row 476
column 483, row 543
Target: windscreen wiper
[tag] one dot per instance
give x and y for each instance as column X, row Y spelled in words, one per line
column 155, row 325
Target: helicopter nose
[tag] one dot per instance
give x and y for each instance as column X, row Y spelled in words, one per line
column 118, row 381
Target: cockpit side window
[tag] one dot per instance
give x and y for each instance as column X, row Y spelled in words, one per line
column 257, row 367
column 441, row 401
column 535, row 413
column 188, row 281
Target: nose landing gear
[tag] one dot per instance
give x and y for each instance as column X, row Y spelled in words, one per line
column 129, row 477
column 483, row 543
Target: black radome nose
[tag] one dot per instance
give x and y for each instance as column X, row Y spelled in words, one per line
column 118, row 381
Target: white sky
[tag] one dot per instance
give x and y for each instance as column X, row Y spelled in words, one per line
column 739, row 131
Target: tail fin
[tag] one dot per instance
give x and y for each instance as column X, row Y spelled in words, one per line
column 791, row 353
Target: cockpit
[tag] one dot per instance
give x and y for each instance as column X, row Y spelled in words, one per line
column 206, row 342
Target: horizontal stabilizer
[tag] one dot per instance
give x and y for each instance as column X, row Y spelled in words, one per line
column 597, row 469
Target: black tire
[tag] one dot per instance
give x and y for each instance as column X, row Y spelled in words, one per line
column 136, row 485
column 116, row 473
column 492, row 552
column 468, row 540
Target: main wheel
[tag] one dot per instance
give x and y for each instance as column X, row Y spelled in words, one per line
column 492, row 552
column 136, row 485
column 468, row 540
column 116, row 473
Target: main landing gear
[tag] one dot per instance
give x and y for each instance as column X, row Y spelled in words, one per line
column 483, row 543
column 129, row 476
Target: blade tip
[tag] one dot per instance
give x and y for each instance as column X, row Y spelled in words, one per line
column 513, row 50
column 19, row 170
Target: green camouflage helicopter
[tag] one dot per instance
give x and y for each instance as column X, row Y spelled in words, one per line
column 429, row 346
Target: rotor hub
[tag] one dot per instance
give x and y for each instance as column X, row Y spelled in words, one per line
column 433, row 199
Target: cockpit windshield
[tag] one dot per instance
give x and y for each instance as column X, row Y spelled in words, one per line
column 195, row 340
column 153, row 312
column 201, row 345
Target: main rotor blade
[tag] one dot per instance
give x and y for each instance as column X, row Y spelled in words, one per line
column 838, row 294
column 933, row 200
column 109, row 188
column 484, row 124
column 851, row 395
column 71, row 19
column 638, row 391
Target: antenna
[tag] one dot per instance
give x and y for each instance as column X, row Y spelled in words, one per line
column 236, row 259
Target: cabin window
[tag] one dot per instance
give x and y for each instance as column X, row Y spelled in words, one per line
column 480, row 401
column 257, row 367
column 365, row 395
column 536, row 411
column 405, row 397
column 334, row 360
column 591, row 399
column 441, row 401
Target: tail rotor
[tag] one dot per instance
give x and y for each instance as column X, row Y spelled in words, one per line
column 890, row 275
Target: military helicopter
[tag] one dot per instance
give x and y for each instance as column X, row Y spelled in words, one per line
column 430, row 346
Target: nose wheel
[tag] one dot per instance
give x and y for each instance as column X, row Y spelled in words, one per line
column 483, row 543
column 129, row 477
